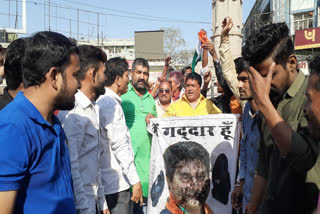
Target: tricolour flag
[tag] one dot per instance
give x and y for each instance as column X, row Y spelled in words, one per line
column 197, row 57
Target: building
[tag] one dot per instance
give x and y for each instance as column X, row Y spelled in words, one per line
column 114, row 47
column 5, row 39
column 150, row 46
column 302, row 18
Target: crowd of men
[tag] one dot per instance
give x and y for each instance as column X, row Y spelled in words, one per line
column 74, row 133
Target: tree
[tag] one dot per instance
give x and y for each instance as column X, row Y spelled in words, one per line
column 173, row 44
column 184, row 57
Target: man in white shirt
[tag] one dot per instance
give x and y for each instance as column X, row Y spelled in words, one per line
column 164, row 97
column 81, row 126
column 119, row 172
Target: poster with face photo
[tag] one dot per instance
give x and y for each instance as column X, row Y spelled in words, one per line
column 218, row 134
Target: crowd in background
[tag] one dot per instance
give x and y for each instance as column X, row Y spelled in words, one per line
column 74, row 137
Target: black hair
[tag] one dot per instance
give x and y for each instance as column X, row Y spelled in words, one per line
column 140, row 61
column 13, row 63
column 43, row 51
column 241, row 65
column 269, row 41
column 314, row 67
column 184, row 151
column 115, row 67
column 183, row 71
column 194, row 76
column 90, row 56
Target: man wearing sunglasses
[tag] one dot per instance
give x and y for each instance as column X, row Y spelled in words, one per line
column 164, row 97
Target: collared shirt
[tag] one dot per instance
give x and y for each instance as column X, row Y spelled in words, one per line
column 81, row 125
column 229, row 69
column 118, row 172
column 160, row 109
column 285, row 190
column 135, row 110
column 5, row 98
column 34, row 160
column 248, row 151
column 182, row 108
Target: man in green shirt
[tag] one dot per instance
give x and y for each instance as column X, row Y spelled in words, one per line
column 138, row 104
column 285, row 154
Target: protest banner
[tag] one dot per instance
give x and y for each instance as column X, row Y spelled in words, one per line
column 219, row 134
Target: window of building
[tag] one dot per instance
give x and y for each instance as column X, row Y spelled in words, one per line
column 303, row 20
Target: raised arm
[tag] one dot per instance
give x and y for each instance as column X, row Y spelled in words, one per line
column 162, row 78
column 226, row 58
column 218, row 69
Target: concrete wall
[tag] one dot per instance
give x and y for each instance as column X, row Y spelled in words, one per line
column 221, row 9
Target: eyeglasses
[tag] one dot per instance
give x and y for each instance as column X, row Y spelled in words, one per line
column 164, row 90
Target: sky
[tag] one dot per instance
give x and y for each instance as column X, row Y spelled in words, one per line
column 117, row 19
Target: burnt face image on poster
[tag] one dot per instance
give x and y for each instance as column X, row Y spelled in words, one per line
column 157, row 188
column 221, row 179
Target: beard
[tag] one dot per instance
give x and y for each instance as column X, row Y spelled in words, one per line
column 136, row 85
column 65, row 99
column 99, row 88
column 64, row 102
column 99, row 91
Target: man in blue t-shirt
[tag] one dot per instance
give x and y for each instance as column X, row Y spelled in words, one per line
column 35, row 174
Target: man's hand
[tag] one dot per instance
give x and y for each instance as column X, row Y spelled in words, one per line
column 148, row 117
column 209, row 46
column 204, row 32
column 260, row 86
column 159, row 81
column 207, row 77
column 150, row 85
column 137, row 194
column 106, row 211
column 250, row 209
column 236, row 198
column 227, row 25
column 167, row 61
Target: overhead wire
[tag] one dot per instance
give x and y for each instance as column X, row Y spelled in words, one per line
column 137, row 14
column 115, row 15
